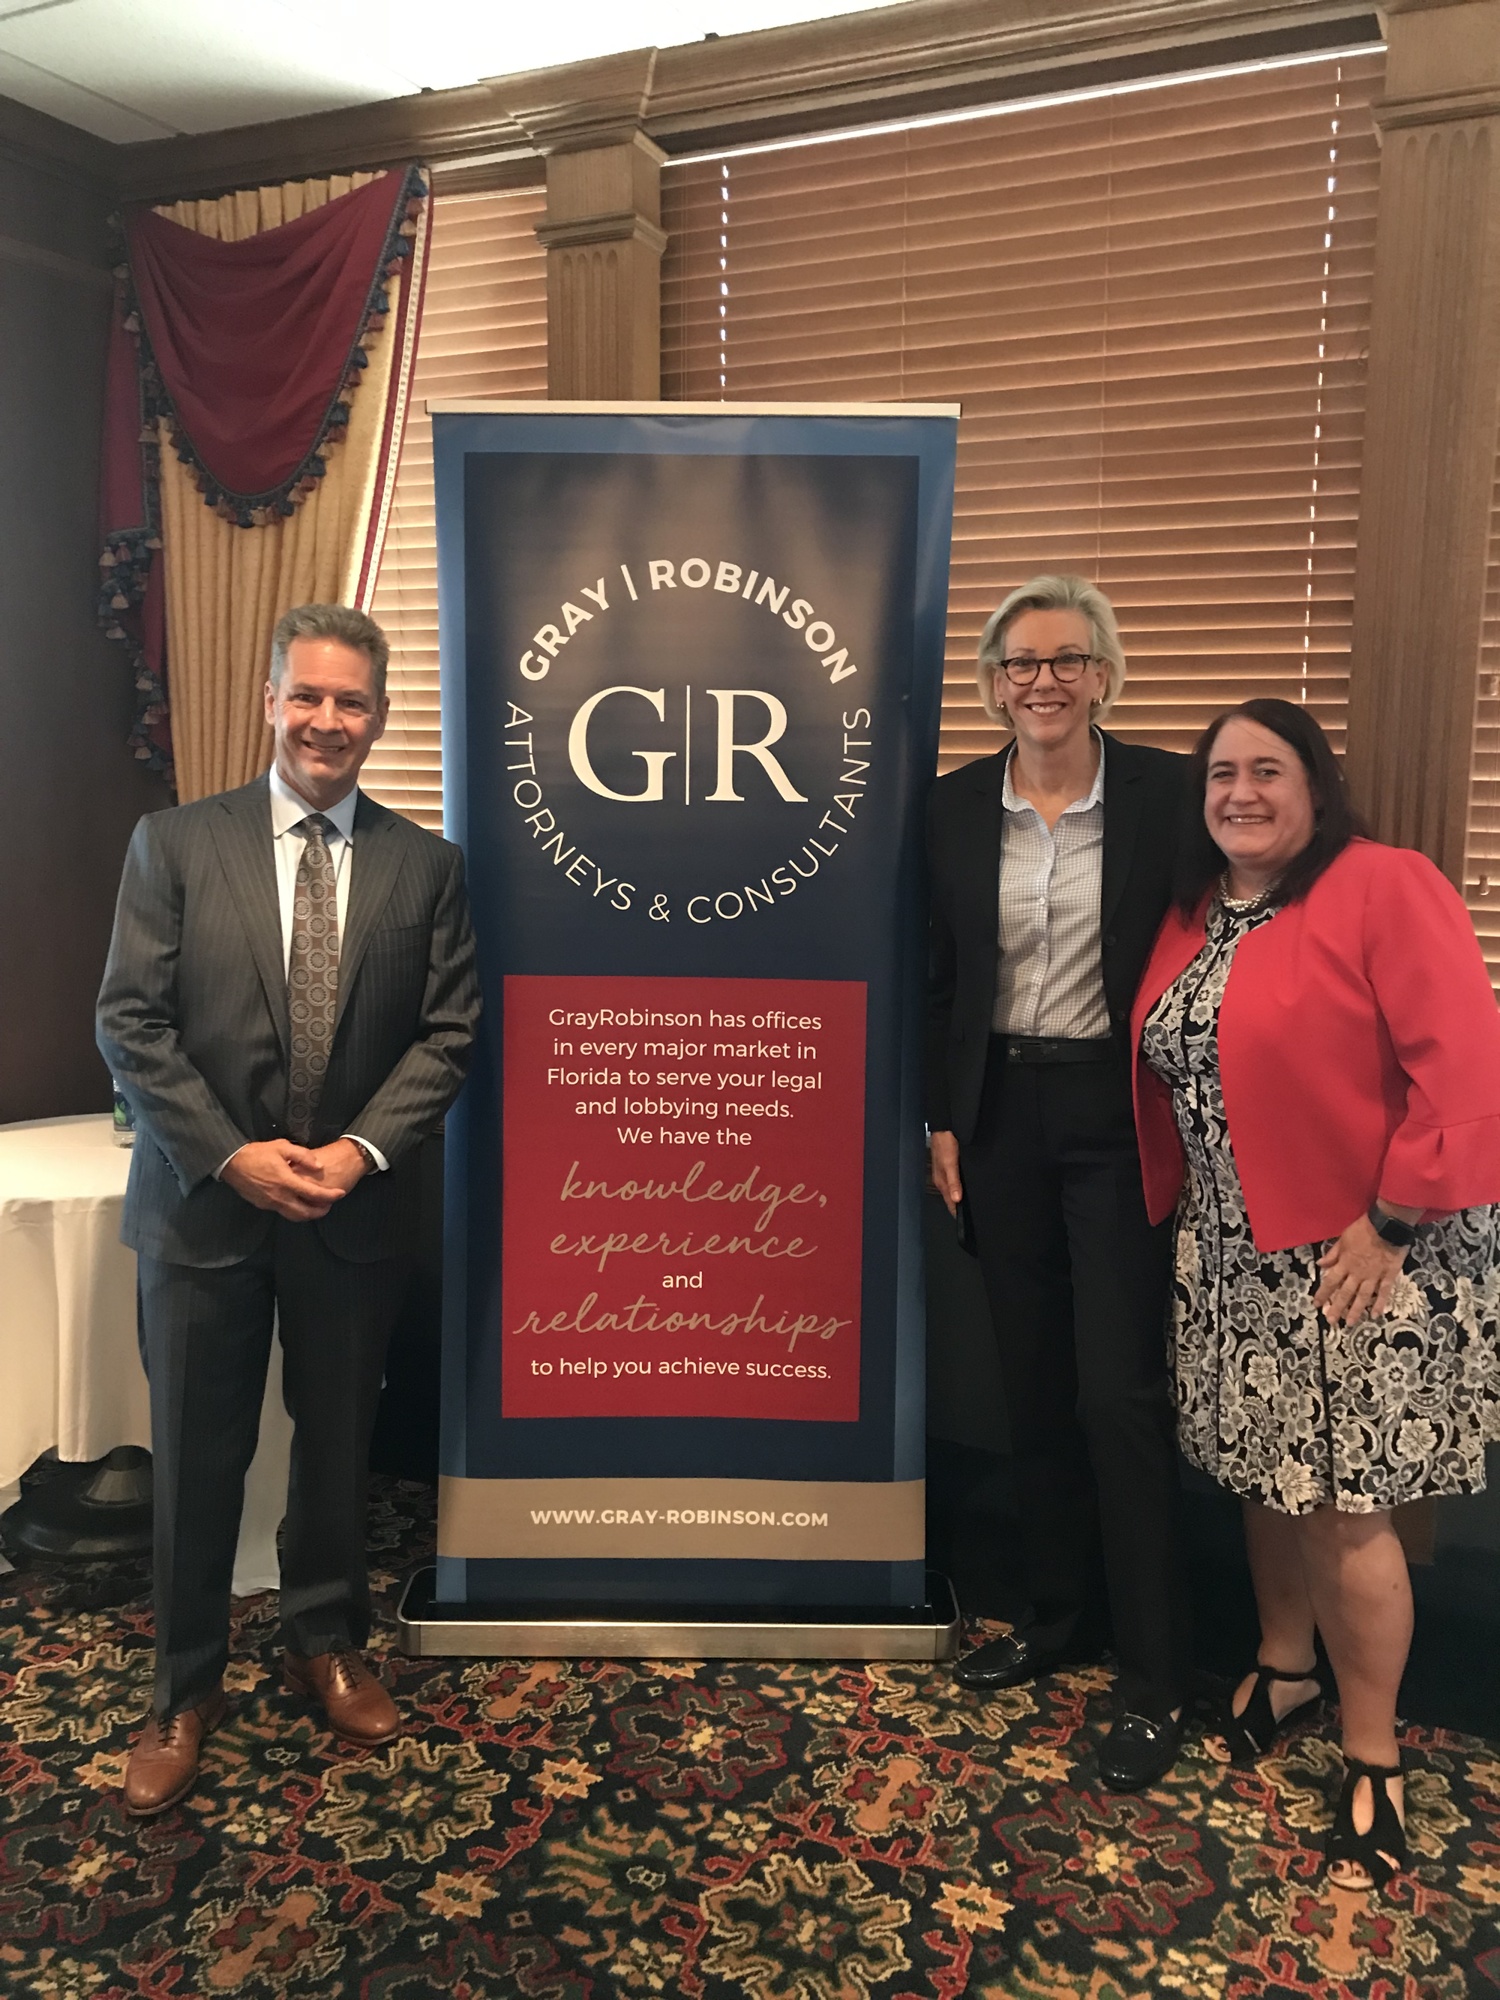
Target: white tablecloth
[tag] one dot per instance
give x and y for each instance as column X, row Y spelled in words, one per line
column 70, row 1369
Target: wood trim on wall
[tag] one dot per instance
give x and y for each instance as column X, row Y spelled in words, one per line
column 949, row 54
column 45, row 144
column 930, row 55
column 436, row 126
column 14, row 251
column 1432, row 410
column 498, row 174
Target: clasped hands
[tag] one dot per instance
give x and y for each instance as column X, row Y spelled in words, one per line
column 298, row 1183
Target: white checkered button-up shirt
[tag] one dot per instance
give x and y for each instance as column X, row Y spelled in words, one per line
column 1050, row 979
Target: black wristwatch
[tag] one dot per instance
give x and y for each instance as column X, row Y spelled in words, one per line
column 1391, row 1229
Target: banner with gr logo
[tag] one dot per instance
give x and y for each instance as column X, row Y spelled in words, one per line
column 692, row 663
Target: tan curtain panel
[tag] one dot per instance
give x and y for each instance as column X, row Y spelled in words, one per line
column 226, row 586
column 484, row 333
column 1482, row 867
column 1153, row 308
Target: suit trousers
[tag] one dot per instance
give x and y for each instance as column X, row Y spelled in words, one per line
column 1077, row 1280
column 206, row 1342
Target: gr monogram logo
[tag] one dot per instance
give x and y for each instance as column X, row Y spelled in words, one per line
column 577, row 752
column 732, row 704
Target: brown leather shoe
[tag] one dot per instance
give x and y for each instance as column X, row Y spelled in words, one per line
column 164, row 1761
column 357, row 1706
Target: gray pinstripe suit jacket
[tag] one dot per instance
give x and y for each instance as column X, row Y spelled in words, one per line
column 192, row 1021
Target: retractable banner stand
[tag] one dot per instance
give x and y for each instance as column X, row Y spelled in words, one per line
column 692, row 663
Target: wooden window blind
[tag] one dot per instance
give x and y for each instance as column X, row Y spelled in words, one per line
column 1153, row 308
column 1482, row 867
column 484, row 333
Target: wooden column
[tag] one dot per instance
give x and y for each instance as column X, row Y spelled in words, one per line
column 1432, row 412
column 604, row 242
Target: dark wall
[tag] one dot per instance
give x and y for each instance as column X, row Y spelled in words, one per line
column 70, row 790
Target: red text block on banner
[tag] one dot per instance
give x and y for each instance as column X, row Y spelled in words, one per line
column 684, row 1192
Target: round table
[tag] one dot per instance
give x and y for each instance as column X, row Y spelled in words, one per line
column 70, row 1368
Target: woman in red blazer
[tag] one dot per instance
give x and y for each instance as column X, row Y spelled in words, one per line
column 1318, row 1094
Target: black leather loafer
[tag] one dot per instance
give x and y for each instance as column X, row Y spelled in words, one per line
column 1012, row 1660
column 1138, row 1751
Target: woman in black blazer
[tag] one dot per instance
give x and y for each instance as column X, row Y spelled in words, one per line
column 1051, row 867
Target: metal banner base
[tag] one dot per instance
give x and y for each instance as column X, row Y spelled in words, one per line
column 429, row 1630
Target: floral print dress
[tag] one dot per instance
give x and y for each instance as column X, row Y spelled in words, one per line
column 1272, row 1401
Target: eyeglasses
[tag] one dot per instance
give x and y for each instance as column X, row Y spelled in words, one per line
column 1066, row 666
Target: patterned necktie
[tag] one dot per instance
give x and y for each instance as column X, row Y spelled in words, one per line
column 312, row 978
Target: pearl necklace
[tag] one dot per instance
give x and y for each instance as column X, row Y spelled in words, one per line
column 1238, row 905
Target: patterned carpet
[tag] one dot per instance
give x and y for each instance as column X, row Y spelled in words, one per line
column 599, row 1829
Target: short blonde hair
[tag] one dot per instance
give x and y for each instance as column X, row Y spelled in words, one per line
column 1054, row 593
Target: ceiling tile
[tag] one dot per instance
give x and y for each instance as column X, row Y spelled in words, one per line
column 135, row 69
column 42, row 91
column 202, row 65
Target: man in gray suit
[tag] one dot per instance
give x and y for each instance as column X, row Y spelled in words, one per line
column 288, row 1006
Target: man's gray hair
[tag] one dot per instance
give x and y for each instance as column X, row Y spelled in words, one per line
column 331, row 621
column 1054, row 593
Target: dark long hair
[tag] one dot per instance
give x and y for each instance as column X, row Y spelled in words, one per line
column 1201, row 861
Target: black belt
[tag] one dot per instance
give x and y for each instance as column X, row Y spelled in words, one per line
column 1052, row 1049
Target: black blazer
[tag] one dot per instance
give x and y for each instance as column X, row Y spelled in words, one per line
column 193, row 1021
column 1143, row 796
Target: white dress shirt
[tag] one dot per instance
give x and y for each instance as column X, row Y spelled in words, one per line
column 288, row 809
column 1050, row 979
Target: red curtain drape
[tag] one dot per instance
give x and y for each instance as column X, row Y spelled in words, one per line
column 256, row 342
column 250, row 350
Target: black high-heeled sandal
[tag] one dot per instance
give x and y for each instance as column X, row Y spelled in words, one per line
column 1255, row 1732
column 1381, row 1851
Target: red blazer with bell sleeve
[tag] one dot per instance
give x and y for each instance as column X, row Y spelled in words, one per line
column 1359, row 1051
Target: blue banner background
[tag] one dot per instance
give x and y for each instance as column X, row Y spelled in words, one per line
column 853, row 513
